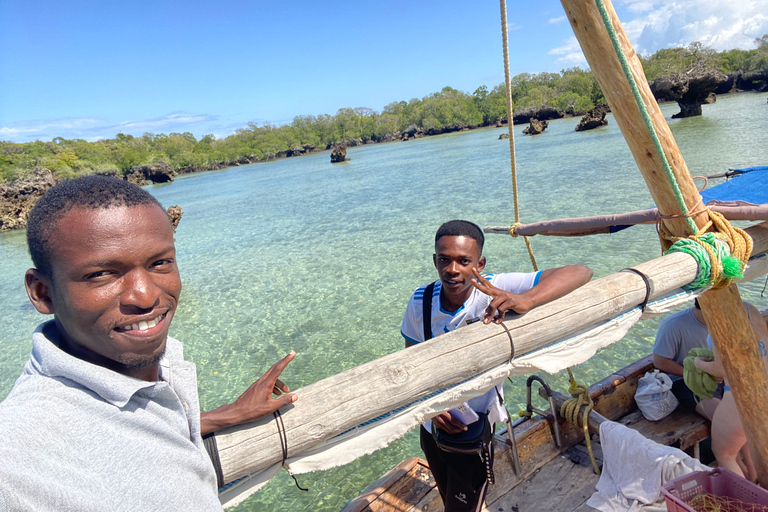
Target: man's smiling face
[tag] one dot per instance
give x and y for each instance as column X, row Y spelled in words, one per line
column 114, row 285
column 454, row 258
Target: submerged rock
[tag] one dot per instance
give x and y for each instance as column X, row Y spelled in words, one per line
column 536, row 127
column 339, row 153
column 174, row 213
column 595, row 118
column 689, row 90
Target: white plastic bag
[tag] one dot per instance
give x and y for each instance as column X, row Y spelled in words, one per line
column 654, row 395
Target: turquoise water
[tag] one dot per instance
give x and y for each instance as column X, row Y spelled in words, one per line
column 299, row 254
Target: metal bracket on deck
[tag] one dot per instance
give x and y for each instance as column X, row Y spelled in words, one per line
column 530, row 409
column 528, row 414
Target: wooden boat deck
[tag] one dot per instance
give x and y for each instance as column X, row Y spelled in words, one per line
column 552, row 479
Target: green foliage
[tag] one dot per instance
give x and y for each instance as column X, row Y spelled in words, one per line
column 683, row 59
column 573, row 90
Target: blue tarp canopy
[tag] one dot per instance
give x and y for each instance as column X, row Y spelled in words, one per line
column 749, row 185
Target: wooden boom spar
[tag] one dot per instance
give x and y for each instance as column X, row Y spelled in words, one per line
column 724, row 313
column 343, row 401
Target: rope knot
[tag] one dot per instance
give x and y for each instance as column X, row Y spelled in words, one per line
column 512, row 232
column 720, row 255
column 570, row 411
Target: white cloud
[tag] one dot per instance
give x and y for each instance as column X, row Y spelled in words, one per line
column 560, row 19
column 571, row 54
column 171, row 121
column 92, row 129
column 716, row 23
column 27, row 129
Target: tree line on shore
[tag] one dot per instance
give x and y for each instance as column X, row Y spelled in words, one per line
column 573, row 91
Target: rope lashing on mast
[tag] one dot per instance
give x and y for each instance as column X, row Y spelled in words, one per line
column 570, row 411
column 717, row 268
column 510, row 125
column 721, row 255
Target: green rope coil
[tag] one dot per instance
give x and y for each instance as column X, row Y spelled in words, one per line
column 644, row 112
column 726, row 268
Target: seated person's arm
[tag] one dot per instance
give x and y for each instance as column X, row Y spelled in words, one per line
column 667, row 365
column 553, row 284
column 254, row 404
column 713, row 367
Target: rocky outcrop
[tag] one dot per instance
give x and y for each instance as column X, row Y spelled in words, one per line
column 18, row 198
column 503, row 136
column 536, row 127
column 595, row 118
column 339, row 153
column 542, row 113
column 174, row 213
column 156, row 173
column 412, row 132
column 738, row 81
column 388, row 137
column 756, row 80
column 689, row 90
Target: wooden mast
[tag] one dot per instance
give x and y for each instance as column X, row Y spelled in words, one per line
column 723, row 310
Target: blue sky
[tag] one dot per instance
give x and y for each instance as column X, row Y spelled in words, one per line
column 91, row 69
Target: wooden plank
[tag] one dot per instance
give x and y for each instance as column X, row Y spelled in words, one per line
column 560, row 486
column 399, row 485
column 682, row 428
column 431, row 502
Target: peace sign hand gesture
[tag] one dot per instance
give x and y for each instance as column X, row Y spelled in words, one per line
column 502, row 301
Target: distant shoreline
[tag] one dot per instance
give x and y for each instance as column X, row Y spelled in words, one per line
column 18, row 197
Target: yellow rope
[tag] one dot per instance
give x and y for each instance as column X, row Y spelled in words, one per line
column 510, row 122
column 570, row 411
column 739, row 244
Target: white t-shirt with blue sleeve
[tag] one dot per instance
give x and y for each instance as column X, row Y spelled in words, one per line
column 471, row 311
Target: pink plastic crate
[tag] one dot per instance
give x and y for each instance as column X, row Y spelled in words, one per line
column 719, row 482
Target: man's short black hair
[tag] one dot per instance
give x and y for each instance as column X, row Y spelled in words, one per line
column 94, row 192
column 461, row 228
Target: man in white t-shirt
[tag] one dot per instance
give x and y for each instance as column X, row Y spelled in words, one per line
column 462, row 296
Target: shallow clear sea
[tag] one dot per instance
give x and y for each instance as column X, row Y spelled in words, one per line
column 299, row 254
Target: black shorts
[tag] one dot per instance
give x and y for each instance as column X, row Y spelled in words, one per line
column 461, row 479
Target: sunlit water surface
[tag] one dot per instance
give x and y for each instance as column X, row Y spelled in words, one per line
column 299, row 254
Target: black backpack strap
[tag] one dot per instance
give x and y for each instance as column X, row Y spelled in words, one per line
column 427, row 310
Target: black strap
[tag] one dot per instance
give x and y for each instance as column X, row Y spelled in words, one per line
column 647, row 286
column 511, row 344
column 209, row 441
column 284, row 443
column 427, row 310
